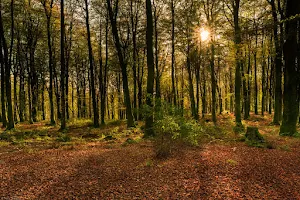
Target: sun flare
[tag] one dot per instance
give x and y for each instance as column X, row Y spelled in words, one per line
column 204, row 34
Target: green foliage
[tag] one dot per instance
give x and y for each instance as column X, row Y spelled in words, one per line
column 238, row 129
column 6, row 137
column 255, row 139
column 296, row 135
column 232, row 162
column 63, row 138
column 285, row 148
column 149, row 163
column 171, row 128
column 130, row 141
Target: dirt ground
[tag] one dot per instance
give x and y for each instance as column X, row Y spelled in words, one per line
column 106, row 170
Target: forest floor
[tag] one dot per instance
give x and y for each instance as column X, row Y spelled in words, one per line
column 38, row 162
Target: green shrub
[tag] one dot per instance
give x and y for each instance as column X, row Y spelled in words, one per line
column 172, row 129
column 5, row 137
column 166, row 130
column 63, row 138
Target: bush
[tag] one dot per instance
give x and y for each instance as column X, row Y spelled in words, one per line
column 63, row 138
column 173, row 129
column 5, row 137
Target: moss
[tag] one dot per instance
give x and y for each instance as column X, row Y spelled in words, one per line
column 239, row 128
column 254, row 138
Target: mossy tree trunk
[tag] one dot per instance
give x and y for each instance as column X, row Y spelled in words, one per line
column 291, row 78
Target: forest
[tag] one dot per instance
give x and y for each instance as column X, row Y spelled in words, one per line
column 150, row 99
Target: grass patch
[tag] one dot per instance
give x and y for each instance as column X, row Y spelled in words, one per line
column 232, row 162
column 149, row 163
column 63, row 138
column 285, row 148
column 4, row 143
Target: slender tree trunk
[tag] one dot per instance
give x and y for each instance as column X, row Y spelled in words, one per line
column 43, row 100
column 134, row 23
column 130, row 121
column 213, row 83
column 29, row 98
column 231, row 90
column 255, row 76
column 278, row 68
column 92, row 76
column 15, row 93
column 49, row 42
column 3, row 102
column 263, row 78
column 203, row 98
column 173, row 53
column 22, row 100
column 245, row 92
column 158, row 73
column 63, row 68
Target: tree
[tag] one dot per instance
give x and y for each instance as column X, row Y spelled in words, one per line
column 150, row 64
column 237, row 42
column 7, row 65
column 173, row 51
column 94, row 99
column 291, row 78
column 62, row 66
column 48, row 6
column 278, row 66
column 113, row 20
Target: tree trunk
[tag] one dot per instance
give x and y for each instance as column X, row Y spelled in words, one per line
column 92, row 76
column 263, row 78
column 255, row 75
column 213, row 83
column 291, row 79
column 49, row 42
column 3, row 102
column 63, row 68
column 150, row 63
column 130, row 121
column 7, row 64
column 173, row 53
column 278, row 68
column 237, row 41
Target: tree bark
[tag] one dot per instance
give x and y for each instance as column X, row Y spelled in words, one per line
column 10, row 124
column 63, row 68
column 92, row 76
column 112, row 15
column 291, row 79
column 150, row 63
column 237, row 41
column 278, row 68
